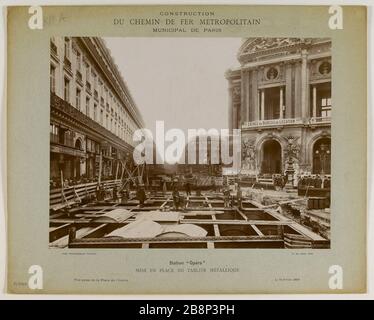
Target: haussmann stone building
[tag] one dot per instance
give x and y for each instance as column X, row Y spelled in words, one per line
column 93, row 114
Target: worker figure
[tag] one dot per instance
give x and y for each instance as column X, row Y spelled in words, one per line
column 182, row 202
column 284, row 180
column 124, row 195
column 140, row 194
column 188, row 188
column 164, row 187
column 100, row 192
column 226, row 195
column 239, row 197
column 115, row 195
column 176, row 197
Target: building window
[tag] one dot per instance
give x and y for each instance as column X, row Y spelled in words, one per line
column 61, row 136
column 94, row 80
column 95, row 111
column 87, row 72
column 52, row 78
column 66, row 89
column 326, row 107
column 54, row 133
column 101, row 117
column 67, row 48
column 79, row 65
column 106, row 122
column 87, row 107
column 78, row 99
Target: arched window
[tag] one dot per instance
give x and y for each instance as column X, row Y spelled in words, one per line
column 78, row 144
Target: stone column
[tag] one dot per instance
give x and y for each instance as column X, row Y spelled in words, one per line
column 263, row 104
column 281, row 103
column 254, row 95
column 257, row 106
column 243, row 96
column 304, row 85
column 314, row 101
column 230, row 107
column 288, row 94
column 297, row 90
column 248, row 95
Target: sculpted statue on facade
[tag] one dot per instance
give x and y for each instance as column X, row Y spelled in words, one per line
column 236, row 93
column 249, row 156
column 269, row 43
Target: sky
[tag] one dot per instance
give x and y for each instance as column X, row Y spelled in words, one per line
column 178, row 80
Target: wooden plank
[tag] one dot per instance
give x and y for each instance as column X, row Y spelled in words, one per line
column 210, row 245
column 257, row 230
column 215, row 226
column 306, row 232
column 241, row 214
column 64, row 241
column 238, row 222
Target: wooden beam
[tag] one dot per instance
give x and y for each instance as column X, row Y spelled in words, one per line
column 257, row 230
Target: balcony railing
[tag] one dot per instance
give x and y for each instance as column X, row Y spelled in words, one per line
column 318, row 120
column 283, row 122
column 272, row 122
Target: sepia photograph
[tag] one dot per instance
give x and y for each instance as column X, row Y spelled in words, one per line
column 198, row 149
column 181, row 143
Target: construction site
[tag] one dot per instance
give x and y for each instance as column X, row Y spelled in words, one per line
column 279, row 100
column 145, row 211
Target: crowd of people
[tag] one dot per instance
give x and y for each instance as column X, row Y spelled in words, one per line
column 311, row 181
column 316, row 181
column 280, row 180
